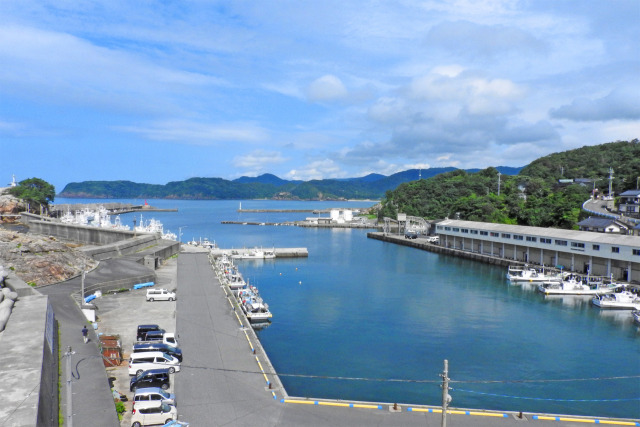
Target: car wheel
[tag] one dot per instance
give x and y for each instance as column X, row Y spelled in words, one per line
column 165, row 386
column 136, row 424
column 151, row 299
column 138, row 372
column 168, row 420
column 172, row 370
column 170, row 299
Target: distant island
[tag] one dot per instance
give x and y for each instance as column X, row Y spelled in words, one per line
column 266, row 186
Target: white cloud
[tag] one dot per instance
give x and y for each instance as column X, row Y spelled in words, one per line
column 319, row 169
column 326, row 88
column 617, row 105
column 259, row 160
column 198, row 133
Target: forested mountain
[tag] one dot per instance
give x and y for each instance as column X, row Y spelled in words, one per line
column 533, row 197
column 267, row 186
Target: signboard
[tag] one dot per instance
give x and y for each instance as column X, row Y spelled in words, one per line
column 402, row 216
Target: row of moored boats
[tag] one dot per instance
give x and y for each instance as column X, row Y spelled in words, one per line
column 605, row 292
column 247, row 296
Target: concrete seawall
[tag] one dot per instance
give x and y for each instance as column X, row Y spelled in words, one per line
column 426, row 246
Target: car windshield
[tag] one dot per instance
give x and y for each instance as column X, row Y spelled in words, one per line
column 168, row 357
column 164, row 394
column 165, row 407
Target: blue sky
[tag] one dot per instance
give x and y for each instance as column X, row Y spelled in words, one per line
column 159, row 91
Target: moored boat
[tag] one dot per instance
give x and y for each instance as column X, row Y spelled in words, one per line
column 623, row 300
column 524, row 274
column 574, row 285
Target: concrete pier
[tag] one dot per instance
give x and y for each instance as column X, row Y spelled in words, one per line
column 280, row 252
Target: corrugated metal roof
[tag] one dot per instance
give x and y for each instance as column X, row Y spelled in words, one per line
column 631, row 193
column 583, row 236
column 600, row 222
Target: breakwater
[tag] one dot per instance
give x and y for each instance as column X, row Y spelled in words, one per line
column 431, row 247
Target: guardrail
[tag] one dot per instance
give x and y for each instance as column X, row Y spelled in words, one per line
column 608, row 215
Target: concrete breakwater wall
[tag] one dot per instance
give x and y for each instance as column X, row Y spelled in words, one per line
column 426, row 246
column 73, row 232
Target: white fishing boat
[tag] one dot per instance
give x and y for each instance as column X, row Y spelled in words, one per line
column 623, row 300
column 574, row 285
column 256, row 310
column 524, row 274
column 254, row 253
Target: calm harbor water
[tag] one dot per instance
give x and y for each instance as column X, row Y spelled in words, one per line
column 361, row 308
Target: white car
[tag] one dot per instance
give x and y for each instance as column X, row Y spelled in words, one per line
column 160, row 295
column 149, row 413
column 139, row 362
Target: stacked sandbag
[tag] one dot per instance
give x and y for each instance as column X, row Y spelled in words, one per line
column 7, row 299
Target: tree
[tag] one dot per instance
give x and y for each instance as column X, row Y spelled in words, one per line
column 34, row 191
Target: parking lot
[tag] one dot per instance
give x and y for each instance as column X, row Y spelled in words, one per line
column 121, row 313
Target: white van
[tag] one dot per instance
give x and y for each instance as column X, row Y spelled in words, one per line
column 160, row 295
column 139, row 362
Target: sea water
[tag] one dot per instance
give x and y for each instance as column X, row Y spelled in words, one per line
column 361, row 319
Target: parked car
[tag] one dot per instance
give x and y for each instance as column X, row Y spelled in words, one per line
column 151, row 378
column 144, row 329
column 160, row 295
column 411, row 235
column 154, row 394
column 168, row 338
column 139, row 362
column 149, row 413
column 158, row 346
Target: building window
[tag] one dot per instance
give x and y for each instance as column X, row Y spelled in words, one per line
column 464, row 230
column 531, row 239
column 447, row 228
column 596, row 247
column 493, row 234
column 577, row 245
column 615, row 249
column 484, row 233
column 456, row 229
column 544, row 240
column 636, row 251
column 561, row 242
column 474, row 231
column 506, row 235
column 518, row 237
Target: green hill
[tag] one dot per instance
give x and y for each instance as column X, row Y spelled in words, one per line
column 534, row 197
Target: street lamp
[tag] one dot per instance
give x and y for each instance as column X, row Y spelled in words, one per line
column 180, row 233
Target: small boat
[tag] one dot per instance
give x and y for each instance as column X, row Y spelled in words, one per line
column 574, row 285
column 256, row 310
column 254, row 253
column 623, row 300
column 526, row 274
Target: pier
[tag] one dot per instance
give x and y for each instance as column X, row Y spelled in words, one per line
column 279, row 252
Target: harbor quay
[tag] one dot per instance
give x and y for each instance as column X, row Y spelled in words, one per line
column 227, row 378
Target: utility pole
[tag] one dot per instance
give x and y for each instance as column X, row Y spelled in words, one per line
column 446, row 399
column 69, row 422
column 610, row 182
column 499, row 183
column 82, row 284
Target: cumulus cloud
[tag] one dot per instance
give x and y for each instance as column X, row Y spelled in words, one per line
column 198, row 133
column 326, row 88
column 617, row 105
column 259, row 160
column 319, row 169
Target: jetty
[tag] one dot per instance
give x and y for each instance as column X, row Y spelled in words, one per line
column 279, row 252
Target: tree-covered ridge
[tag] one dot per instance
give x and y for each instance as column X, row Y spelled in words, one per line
column 592, row 162
column 533, row 197
column 266, row 186
column 474, row 197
